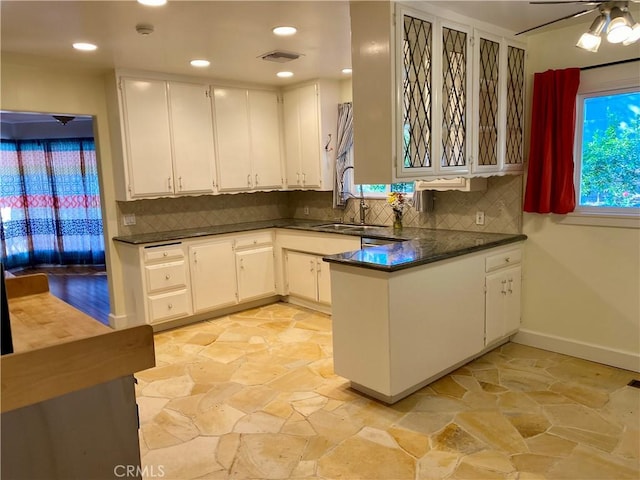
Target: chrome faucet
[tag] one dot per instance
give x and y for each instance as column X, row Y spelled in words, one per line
column 342, row 194
column 363, row 207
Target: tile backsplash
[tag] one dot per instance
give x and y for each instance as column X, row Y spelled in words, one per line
column 501, row 204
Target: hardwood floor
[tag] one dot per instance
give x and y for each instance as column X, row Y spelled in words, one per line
column 85, row 288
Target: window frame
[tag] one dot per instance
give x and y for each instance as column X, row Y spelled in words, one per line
column 591, row 215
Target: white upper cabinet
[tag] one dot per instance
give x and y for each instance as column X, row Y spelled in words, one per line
column 168, row 139
column 450, row 105
column 310, row 124
column 232, row 138
column 145, row 116
column 248, row 139
column 192, row 134
column 266, row 153
column 499, row 98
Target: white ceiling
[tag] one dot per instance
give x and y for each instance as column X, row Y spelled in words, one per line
column 231, row 34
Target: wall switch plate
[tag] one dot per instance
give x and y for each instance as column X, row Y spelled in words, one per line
column 306, row 210
column 479, row 218
column 129, row 219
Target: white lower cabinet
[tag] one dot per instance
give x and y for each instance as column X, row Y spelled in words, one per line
column 395, row 332
column 502, row 297
column 166, row 306
column 301, row 275
column 324, row 281
column 309, row 277
column 213, row 274
column 156, row 282
column 255, row 266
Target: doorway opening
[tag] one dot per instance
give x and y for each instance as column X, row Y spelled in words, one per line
column 51, row 218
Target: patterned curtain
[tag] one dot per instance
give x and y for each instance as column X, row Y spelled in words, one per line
column 50, row 203
column 343, row 155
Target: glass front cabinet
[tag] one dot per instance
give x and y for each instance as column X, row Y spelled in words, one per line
column 460, row 99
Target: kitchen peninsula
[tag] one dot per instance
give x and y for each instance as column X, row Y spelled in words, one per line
column 406, row 314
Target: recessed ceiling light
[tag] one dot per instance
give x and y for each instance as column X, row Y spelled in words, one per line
column 284, row 74
column 284, row 30
column 200, row 63
column 85, row 47
column 152, row 3
column 346, row 71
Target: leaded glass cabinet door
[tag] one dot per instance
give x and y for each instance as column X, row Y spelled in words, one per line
column 455, row 100
column 489, row 103
column 414, row 136
column 515, row 86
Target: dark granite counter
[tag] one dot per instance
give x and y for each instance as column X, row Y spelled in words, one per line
column 427, row 246
column 410, row 247
column 214, row 230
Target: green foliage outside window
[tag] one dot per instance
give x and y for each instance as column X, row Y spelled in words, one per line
column 610, row 170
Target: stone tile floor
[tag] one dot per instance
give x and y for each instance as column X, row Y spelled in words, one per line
column 253, row 396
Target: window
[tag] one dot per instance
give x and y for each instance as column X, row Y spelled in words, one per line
column 607, row 105
column 381, row 190
column 607, row 158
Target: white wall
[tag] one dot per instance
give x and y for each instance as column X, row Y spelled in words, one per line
column 35, row 85
column 581, row 292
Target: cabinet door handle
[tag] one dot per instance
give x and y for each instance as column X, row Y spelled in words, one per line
column 298, row 178
column 249, row 180
column 169, row 184
column 242, row 264
column 504, row 284
column 304, row 178
column 180, row 183
column 510, row 289
column 256, row 180
column 311, row 262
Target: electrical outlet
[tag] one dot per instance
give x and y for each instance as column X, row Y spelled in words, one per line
column 306, row 210
column 129, row 219
column 479, row 218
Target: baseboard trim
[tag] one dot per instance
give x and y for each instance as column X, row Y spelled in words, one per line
column 118, row 321
column 588, row 351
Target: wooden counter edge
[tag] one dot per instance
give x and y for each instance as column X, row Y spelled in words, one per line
column 36, row 375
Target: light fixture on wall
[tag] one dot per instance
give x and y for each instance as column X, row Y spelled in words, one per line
column 614, row 19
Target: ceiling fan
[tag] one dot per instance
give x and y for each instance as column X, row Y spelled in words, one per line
column 613, row 18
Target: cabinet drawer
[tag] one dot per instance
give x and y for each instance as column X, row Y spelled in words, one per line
column 168, row 305
column 155, row 254
column 254, row 240
column 165, row 276
column 504, row 259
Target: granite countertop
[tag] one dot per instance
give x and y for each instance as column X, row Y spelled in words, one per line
column 427, row 246
column 410, row 247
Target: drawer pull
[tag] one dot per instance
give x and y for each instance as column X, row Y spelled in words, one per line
column 170, row 306
column 167, row 277
column 164, row 254
column 507, row 259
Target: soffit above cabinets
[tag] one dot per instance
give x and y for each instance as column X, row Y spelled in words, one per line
column 231, row 34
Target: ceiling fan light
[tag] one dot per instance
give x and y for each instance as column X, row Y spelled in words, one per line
column 589, row 42
column 619, row 27
column 633, row 36
column 618, row 34
column 598, row 25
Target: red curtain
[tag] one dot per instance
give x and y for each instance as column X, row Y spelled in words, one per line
column 550, row 176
